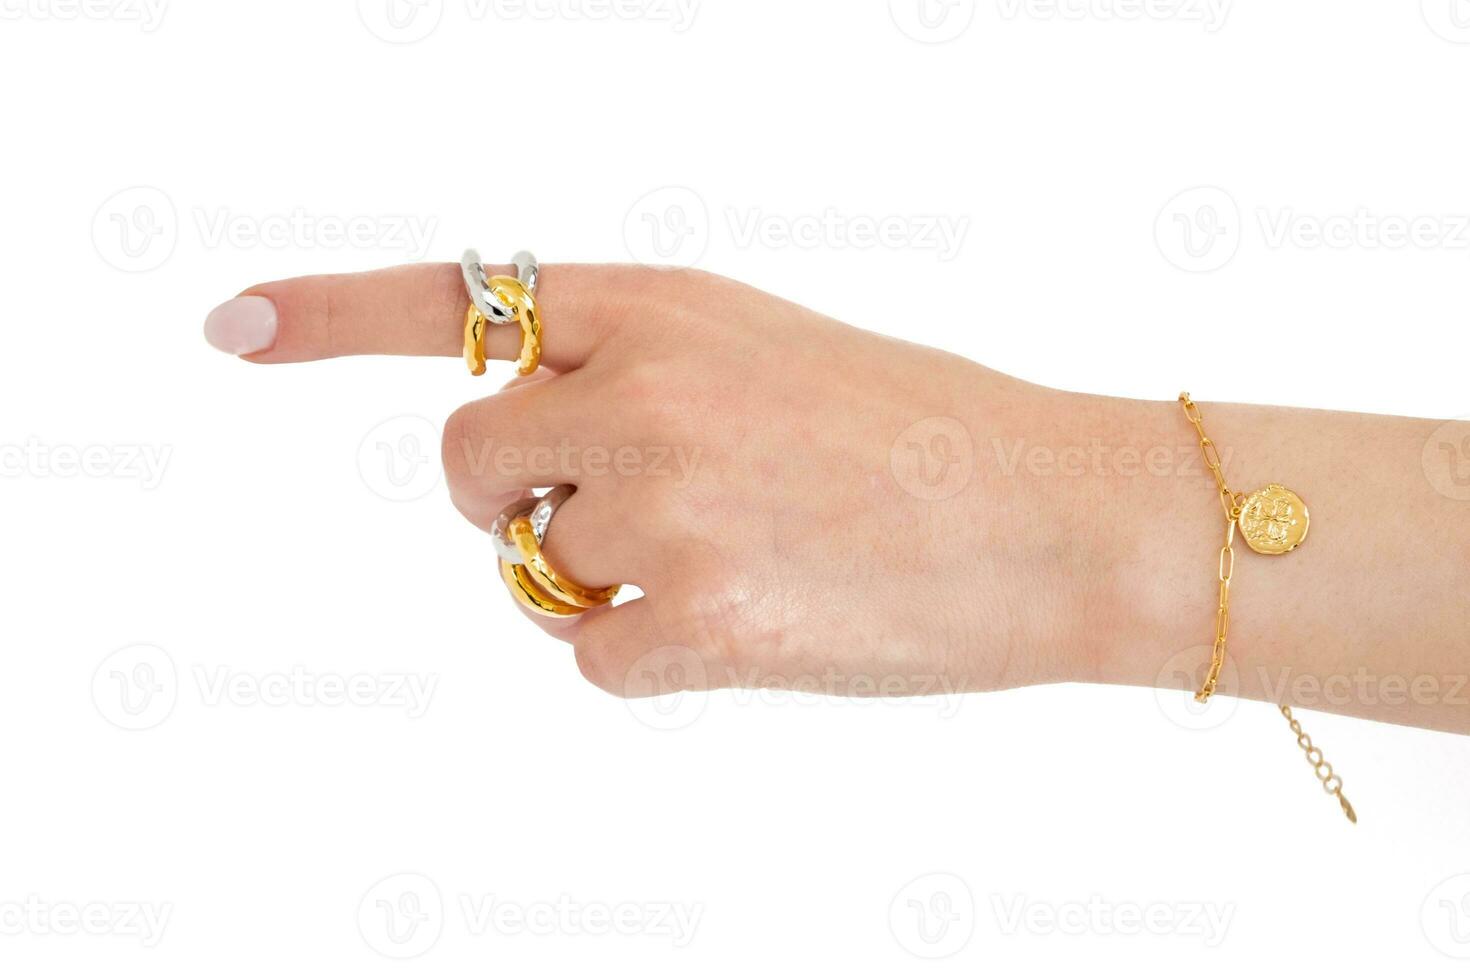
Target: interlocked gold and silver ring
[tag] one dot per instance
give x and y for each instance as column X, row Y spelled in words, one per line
column 497, row 300
column 518, row 534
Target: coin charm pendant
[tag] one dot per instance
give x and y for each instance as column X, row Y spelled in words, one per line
column 1273, row 520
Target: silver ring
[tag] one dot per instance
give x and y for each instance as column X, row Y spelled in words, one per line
column 528, row 270
column 541, row 511
column 546, row 508
column 500, row 533
column 477, row 284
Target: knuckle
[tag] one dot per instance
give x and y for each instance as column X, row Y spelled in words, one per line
column 593, row 660
column 680, row 293
column 460, row 436
column 447, row 290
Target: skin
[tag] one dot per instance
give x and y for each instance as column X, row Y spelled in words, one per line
column 860, row 515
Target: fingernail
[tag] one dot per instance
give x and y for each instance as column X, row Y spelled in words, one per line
column 243, row 325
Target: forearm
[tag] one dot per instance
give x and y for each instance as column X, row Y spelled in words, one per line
column 1369, row 617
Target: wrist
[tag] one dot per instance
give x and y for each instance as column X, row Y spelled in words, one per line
column 1117, row 518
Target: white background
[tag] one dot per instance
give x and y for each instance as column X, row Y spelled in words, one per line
column 796, row 834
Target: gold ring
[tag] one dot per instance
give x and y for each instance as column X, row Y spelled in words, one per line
column 551, row 582
column 474, row 340
column 501, row 299
column 519, row 300
column 529, row 594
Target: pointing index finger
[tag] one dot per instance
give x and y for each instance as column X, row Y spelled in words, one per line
column 408, row 310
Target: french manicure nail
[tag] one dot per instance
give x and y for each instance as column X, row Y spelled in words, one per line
column 243, row 325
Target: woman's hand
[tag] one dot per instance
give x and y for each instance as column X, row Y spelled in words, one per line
column 806, row 505
column 799, row 500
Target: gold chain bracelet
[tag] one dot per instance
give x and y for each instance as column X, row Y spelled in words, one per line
column 1273, row 521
